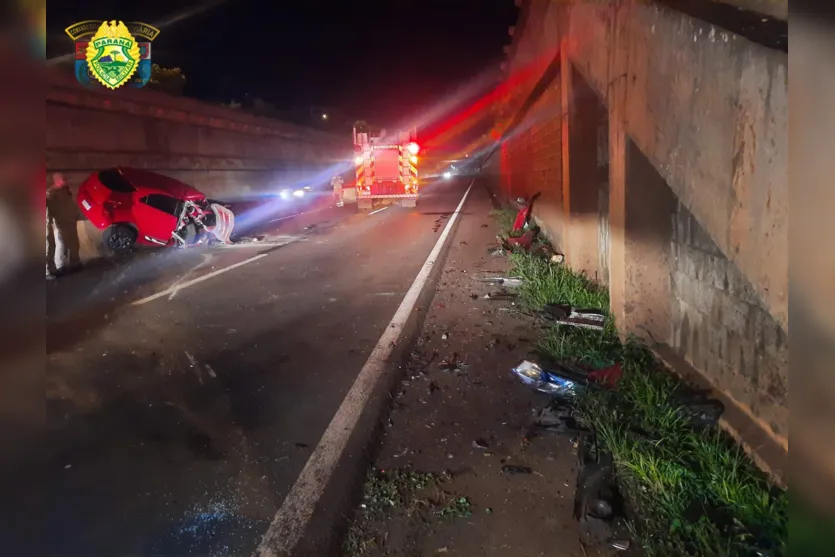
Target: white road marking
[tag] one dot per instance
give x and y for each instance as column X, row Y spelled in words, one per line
column 205, row 258
column 378, row 210
column 300, row 214
column 290, row 521
column 197, row 280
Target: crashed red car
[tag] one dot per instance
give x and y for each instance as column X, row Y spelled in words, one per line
column 136, row 206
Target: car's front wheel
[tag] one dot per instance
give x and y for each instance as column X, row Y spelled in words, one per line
column 119, row 239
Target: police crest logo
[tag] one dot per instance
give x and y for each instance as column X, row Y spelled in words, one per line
column 112, row 53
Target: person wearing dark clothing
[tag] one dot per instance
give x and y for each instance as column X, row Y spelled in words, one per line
column 62, row 244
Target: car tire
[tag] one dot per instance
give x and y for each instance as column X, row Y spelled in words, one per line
column 119, row 239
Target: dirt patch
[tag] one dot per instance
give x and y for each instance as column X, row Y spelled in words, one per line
column 459, row 432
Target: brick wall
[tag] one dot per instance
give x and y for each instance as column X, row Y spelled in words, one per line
column 722, row 328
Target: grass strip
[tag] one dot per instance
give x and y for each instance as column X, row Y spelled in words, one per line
column 692, row 492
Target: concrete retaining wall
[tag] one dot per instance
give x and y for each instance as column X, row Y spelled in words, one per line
column 660, row 147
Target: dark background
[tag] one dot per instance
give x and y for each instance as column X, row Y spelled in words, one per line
column 371, row 59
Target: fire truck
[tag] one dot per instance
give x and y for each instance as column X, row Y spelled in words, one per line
column 386, row 167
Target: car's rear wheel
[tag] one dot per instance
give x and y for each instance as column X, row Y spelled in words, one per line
column 119, row 239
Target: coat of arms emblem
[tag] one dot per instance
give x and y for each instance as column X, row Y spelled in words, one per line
column 112, row 53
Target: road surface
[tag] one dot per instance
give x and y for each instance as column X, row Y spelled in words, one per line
column 186, row 389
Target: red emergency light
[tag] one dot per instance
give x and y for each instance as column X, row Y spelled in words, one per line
column 414, row 148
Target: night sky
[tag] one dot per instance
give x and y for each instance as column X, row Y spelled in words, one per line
column 373, row 59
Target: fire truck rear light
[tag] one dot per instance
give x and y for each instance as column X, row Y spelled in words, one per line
column 358, row 160
column 414, row 159
column 414, row 148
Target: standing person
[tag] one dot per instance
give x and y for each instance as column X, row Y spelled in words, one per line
column 62, row 243
column 336, row 182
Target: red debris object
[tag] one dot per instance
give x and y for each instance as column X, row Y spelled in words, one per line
column 522, row 217
column 525, row 241
column 608, row 376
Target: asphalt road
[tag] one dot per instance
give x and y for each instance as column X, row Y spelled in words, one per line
column 186, row 389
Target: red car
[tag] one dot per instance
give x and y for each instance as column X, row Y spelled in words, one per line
column 136, row 206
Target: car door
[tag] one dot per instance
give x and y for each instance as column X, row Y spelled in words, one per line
column 156, row 216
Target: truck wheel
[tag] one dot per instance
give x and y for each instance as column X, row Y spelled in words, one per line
column 119, row 239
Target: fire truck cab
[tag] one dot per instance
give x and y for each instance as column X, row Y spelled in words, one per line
column 386, row 168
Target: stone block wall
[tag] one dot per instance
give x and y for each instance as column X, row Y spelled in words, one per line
column 721, row 327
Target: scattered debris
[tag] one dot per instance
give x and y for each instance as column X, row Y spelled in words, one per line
column 557, row 258
column 547, row 382
column 507, row 282
column 555, row 418
column 596, row 491
column 453, row 365
column 524, row 242
column 620, row 545
column 607, row 376
column 523, row 217
column 516, row 469
column 445, row 336
column 702, row 412
column 567, row 315
column 481, row 444
column 501, row 296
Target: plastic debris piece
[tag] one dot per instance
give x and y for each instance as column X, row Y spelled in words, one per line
column 567, row 315
column 544, row 381
column 557, row 258
column 523, row 242
column 480, row 444
column 501, row 296
column 608, row 376
column 620, row 545
column 507, row 282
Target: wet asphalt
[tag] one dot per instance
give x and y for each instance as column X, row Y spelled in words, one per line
column 176, row 424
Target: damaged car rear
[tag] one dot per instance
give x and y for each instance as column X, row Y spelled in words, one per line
column 138, row 207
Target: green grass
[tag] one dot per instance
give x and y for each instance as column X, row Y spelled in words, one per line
column 693, row 492
column 394, row 488
column 505, row 217
column 400, row 492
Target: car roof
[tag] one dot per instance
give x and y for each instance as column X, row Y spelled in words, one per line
column 163, row 184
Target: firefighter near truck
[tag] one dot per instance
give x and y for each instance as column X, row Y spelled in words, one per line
column 386, row 168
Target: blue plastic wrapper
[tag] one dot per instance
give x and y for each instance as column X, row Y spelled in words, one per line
column 545, row 382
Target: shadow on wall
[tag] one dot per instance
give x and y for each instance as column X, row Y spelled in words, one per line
column 683, row 292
